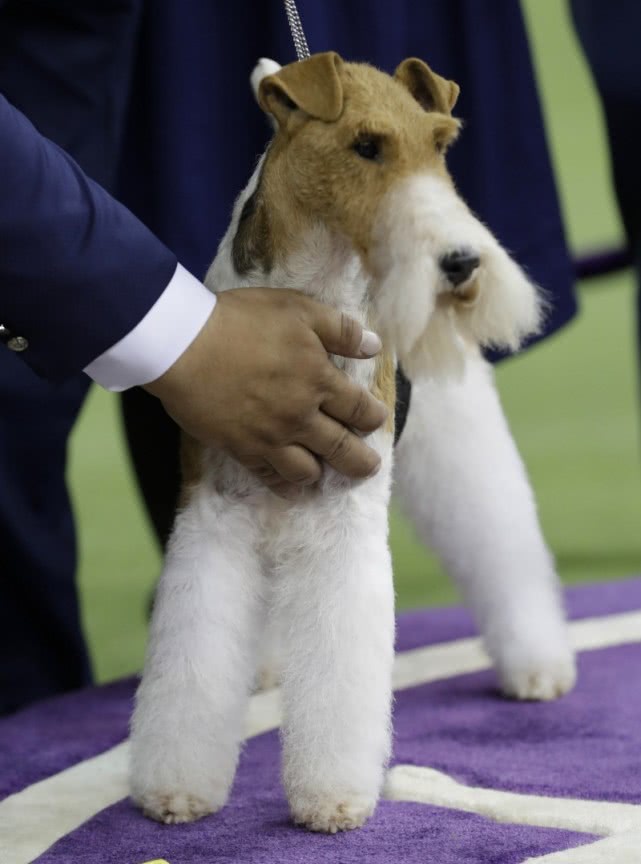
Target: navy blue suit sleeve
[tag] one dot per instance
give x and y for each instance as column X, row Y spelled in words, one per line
column 78, row 271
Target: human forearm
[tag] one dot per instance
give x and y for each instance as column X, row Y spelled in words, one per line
column 77, row 270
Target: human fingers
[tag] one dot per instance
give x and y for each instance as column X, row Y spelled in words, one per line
column 287, row 470
column 351, row 404
column 270, row 478
column 340, row 447
column 341, row 334
column 295, row 464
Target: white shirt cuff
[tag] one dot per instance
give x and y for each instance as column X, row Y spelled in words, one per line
column 156, row 342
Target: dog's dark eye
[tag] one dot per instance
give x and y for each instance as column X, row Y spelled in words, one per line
column 368, row 147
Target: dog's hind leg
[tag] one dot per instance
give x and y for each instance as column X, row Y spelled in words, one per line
column 190, row 706
column 461, row 480
column 335, row 597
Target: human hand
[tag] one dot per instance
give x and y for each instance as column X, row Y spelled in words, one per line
column 257, row 383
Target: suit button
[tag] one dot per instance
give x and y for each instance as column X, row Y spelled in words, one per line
column 17, row 343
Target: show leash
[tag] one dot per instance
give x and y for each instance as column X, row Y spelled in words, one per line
column 298, row 35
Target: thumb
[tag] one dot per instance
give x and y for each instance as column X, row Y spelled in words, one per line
column 341, row 334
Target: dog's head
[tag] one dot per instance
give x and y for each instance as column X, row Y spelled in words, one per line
column 363, row 153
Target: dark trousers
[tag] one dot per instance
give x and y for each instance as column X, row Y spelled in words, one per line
column 609, row 34
column 67, row 65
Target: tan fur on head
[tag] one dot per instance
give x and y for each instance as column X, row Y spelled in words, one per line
column 323, row 108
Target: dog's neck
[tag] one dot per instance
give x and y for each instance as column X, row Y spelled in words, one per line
column 324, row 266
column 318, row 262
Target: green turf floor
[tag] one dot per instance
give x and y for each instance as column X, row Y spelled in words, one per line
column 572, row 403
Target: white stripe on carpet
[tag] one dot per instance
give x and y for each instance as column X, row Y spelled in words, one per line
column 428, row 786
column 618, row 849
column 35, row 818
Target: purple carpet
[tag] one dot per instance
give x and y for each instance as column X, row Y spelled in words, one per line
column 584, row 746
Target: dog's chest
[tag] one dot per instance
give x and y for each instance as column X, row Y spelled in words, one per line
column 326, row 268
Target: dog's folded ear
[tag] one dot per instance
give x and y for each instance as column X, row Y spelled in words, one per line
column 312, row 86
column 431, row 91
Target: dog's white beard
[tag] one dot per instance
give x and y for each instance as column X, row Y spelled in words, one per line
column 417, row 314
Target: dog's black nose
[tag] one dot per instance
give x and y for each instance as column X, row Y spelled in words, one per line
column 459, row 265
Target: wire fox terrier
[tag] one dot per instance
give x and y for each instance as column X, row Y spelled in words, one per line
column 352, row 204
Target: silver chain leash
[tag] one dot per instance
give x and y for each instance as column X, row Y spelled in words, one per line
column 300, row 43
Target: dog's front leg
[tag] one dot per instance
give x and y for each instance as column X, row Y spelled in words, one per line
column 335, row 599
column 461, row 480
column 190, row 707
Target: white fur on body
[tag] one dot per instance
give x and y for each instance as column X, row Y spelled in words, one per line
column 320, row 571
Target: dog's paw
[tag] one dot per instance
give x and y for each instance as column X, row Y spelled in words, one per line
column 540, row 678
column 173, row 808
column 331, row 814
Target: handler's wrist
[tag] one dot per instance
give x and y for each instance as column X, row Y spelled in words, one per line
column 168, row 329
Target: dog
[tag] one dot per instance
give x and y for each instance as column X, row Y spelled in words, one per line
column 352, row 204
